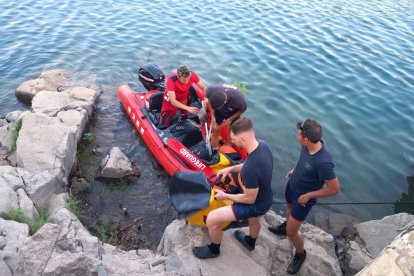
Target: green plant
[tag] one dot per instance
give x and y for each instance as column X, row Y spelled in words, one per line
column 74, row 205
column 19, row 216
column 88, row 136
column 15, row 135
column 106, row 231
column 404, row 204
column 40, row 220
column 240, row 86
column 86, row 189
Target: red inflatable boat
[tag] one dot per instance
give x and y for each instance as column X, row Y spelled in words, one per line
column 182, row 146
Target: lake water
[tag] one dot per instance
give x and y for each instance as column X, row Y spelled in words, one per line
column 347, row 64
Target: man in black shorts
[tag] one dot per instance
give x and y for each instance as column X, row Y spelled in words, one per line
column 226, row 103
column 312, row 178
column 256, row 199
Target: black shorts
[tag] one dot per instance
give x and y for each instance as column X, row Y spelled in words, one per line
column 244, row 211
column 298, row 211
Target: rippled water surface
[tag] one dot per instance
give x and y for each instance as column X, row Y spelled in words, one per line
column 347, row 64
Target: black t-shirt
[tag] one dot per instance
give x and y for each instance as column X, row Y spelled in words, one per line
column 257, row 173
column 312, row 171
column 235, row 100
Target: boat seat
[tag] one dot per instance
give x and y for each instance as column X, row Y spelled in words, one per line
column 187, row 132
column 155, row 102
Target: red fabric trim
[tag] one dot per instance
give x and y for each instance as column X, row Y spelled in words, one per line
column 234, row 214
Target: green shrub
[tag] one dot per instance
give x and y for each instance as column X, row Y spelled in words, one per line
column 15, row 135
column 405, row 203
column 19, row 216
column 88, row 136
column 40, row 220
column 74, row 205
column 241, row 86
column 106, row 231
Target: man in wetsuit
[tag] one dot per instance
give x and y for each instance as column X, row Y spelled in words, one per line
column 312, row 178
column 256, row 199
column 226, row 103
column 177, row 93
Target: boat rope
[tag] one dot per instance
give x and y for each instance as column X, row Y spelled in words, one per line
column 352, row 203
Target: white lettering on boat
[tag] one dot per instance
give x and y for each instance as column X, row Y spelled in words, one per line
column 129, row 109
column 146, row 78
column 133, row 116
column 137, row 122
column 192, row 159
column 142, row 130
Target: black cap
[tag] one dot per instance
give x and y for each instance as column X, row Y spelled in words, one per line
column 311, row 129
column 217, row 99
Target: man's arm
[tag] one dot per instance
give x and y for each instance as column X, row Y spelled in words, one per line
column 202, row 86
column 212, row 117
column 174, row 102
column 230, row 119
column 247, row 197
column 331, row 188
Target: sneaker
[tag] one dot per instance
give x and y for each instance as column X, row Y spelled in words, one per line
column 296, row 263
column 241, row 237
column 279, row 230
column 204, row 252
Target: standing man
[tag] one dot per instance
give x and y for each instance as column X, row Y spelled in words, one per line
column 312, row 178
column 226, row 103
column 177, row 93
column 256, row 176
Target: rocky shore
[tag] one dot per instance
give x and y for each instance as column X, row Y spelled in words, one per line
column 34, row 171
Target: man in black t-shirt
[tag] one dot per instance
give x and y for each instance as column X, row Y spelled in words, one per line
column 256, row 199
column 314, row 170
column 226, row 103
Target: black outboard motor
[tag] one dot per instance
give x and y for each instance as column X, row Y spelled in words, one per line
column 151, row 76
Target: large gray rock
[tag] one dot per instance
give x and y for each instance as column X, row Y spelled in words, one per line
column 58, row 202
column 337, row 222
column 116, row 165
column 67, row 263
column 84, row 94
column 271, row 255
column 357, row 256
column 3, row 122
column 12, row 236
column 37, row 250
column 4, row 268
column 42, row 186
column 8, row 199
column 49, row 80
column 377, row 234
column 26, row 205
column 395, row 259
column 74, row 237
column 5, row 133
column 16, row 115
column 50, row 102
column 55, row 144
column 67, row 248
column 13, row 177
column 134, row 264
column 74, row 119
